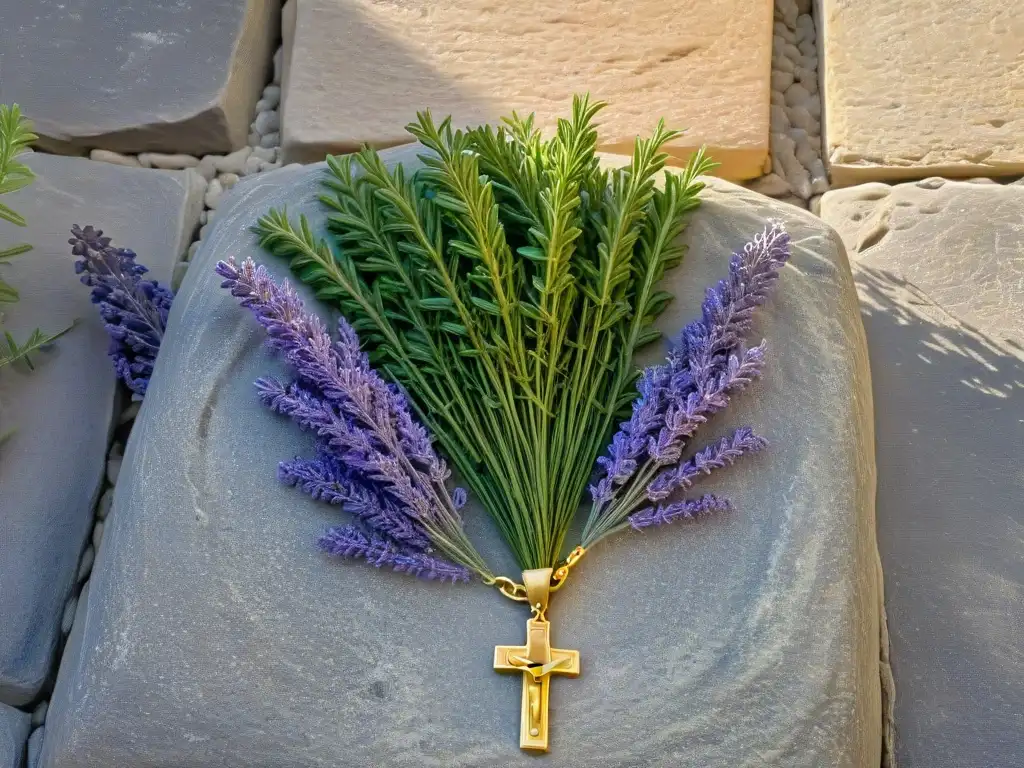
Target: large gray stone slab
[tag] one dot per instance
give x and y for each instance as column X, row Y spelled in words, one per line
column 148, row 75
column 216, row 635
column 939, row 266
column 14, row 728
column 51, row 468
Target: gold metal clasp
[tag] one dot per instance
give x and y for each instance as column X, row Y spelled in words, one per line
column 537, row 661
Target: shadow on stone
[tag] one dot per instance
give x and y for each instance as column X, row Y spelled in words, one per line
column 949, row 422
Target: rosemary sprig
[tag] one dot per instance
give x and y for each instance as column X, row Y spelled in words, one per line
column 506, row 286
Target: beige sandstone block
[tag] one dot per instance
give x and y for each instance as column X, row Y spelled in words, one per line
column 360, row 69
column 923, row 87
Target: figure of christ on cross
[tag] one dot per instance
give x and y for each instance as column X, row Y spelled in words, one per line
column 537, row 661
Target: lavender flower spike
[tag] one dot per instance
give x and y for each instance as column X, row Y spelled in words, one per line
column 375, row 459
column 689, row 509
column 134, row 310
column 707, row 365
column 349, row 541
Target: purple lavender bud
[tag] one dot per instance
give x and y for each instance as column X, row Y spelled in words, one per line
column 459, row 497
column 707, row 364
column 724, row 453
column 134, row 311
column 349, row 541
column 374, row 459
column 327, row 479
column 680, row 510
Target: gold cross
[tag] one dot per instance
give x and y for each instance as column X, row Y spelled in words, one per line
column 537, row 661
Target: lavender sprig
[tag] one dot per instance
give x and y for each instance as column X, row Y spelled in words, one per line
column 688, row 509
column 706, row 366
column 349, row 541
column 375, row 459
column 134, row 310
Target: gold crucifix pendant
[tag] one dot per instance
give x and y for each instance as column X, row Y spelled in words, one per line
column 537, row 661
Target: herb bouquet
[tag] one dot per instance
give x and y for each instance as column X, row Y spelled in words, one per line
column 493, row 301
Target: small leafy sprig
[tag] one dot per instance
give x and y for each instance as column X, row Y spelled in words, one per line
column 506, row 286
column 15, row 138
column 134, row 310
column 373, row 458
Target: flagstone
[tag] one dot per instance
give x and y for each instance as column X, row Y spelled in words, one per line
column 138, row 76
column 51, row 468
column 756, row 633
column 358, row 71
column 922, row 88
column 940, row 269
column 14, row 728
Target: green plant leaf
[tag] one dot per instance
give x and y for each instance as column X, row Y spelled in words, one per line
column 506, row 285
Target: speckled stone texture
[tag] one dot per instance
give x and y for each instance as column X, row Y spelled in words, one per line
column 14, row 728
column 216, row 634
column 52, row 466
column 940, row 269
column 146, row 75
column 922, row 88
column 360, row 69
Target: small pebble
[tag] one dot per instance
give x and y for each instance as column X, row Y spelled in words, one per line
column 806, row 22
column 204, row 216
column 808, row 48
column 814, row 107
column 787, row 10
column 278, row 56
column 97, row 533
column 228, row 180
column 204, row 230
column 272, row 95
column 782, row 64
column 235, row 162
column 254, row 140
column 805, row 153
column 85, row 567
column 129, row 413
column 192, row 250
column 784, row 32
column 207, row 167
column 254, row 164
column 179, row 274
column 106, row 502
column 772, row 185
column 805, row 75
column 791, row 52
column 781, row 80
column 796, row 94
column 799, row 117
column 114, row 463
column 265, row 153
column 35, row 747
column 106, row 156
column 271, row 140
column 780, row 120
column 778, row 98
column 213, row 193
column 819, row 179
column 69, row 615
column 815, row 205
column 39, row 713
column 168, row 162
